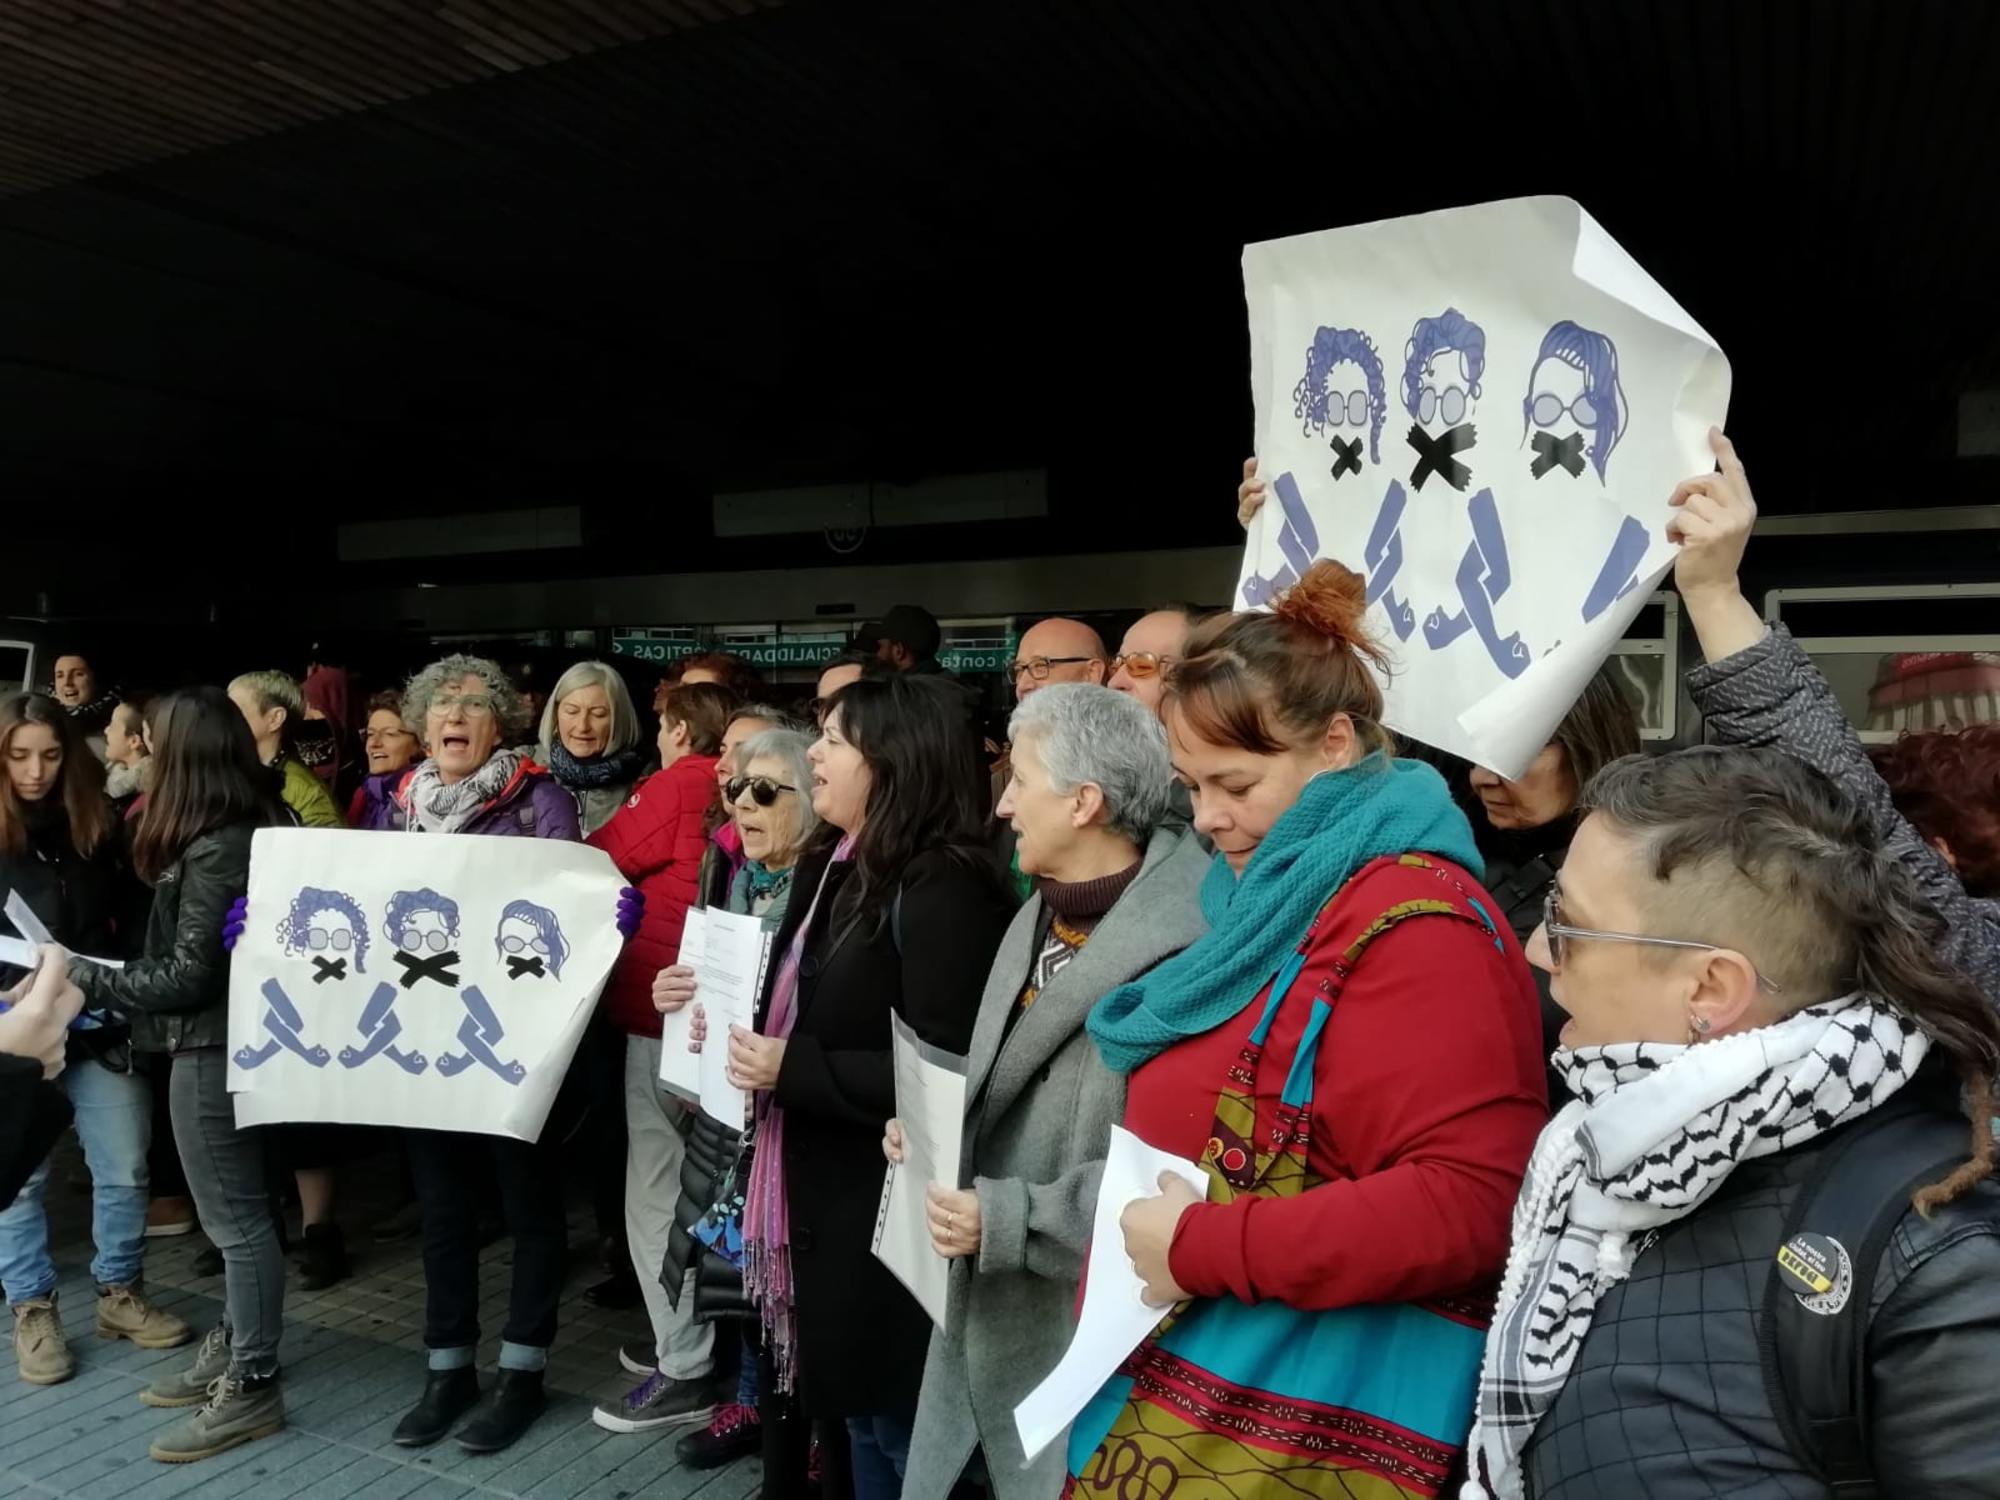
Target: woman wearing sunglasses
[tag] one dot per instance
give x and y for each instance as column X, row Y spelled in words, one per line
column 467, row 713
column 1353, row 1054
column 770, row 805
column 657, row 841
column 61, row 853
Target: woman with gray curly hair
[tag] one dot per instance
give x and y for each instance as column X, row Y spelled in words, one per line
column 467, row 713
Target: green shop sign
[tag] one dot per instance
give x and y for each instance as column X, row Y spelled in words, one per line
column 670, row 645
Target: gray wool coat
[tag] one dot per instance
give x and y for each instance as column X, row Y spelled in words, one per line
column 1039, row 1111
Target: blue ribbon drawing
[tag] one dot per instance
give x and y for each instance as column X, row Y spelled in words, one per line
column 1298, row 539
column 1484, row 576
column 478, row 1033
column 1620, row 573
column 381, row 1026
column 1384, row 556
column 283, row 1023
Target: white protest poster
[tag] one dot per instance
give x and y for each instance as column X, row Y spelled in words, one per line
column 440, row 981
column 1482, row 411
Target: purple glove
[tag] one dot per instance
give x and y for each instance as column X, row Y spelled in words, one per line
column 631, row 908
column 232, row 922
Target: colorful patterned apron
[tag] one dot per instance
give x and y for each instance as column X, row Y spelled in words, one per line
column 1229, row 1401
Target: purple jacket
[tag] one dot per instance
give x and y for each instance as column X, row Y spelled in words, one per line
column 534, row 804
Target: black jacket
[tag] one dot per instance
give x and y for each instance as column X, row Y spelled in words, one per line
column 33, row 1113
column 862, row 1337
column 1666, row 1398
column 90, row 904
column 712, row 1149
column 177, row 993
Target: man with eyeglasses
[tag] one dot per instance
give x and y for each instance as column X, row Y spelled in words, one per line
column 1150, row 650
column 1058, row 650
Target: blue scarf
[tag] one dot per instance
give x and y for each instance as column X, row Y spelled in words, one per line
column 1342, row 820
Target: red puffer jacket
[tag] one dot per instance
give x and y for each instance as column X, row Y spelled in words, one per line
column 656, row 839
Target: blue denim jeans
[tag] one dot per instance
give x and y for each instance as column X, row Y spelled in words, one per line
column 114, row 1121
column 881, row 1451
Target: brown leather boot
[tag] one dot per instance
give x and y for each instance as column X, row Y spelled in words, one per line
column 123, row 1313
column 40, row 1349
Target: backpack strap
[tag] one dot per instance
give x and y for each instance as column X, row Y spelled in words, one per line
column 1813, row 1337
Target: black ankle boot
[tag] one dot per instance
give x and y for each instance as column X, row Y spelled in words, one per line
column 448, row 1395
column 325, row 1258
column 509, row 1409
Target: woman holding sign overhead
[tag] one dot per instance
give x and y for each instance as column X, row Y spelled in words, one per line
column 1352, row 1053
column 898, row 912
column 470, row 783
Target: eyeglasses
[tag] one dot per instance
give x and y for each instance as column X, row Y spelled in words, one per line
column 512, row 944
column 339, row 939
column 1448, row 403
column 1547, row 409
column 472, row 705
column 1141, row 664
column 1558, row 932
column 411, row 940
column 1037, row 667
column 762, row 789
column 1351, row 408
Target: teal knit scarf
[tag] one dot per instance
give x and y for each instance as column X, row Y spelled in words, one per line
column 1342, row 820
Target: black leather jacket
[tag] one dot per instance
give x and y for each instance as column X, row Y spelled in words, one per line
column 1666, row 1398
column 177, row 992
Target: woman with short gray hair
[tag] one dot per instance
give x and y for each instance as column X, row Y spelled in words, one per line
column 1115, row 892
column 590, row 741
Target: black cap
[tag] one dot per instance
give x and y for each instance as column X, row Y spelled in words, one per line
column 909, row 625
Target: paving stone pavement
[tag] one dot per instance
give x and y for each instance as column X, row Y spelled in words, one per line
column 353, row 1363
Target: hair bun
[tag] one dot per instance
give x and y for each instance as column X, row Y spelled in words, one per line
column 1330, row 599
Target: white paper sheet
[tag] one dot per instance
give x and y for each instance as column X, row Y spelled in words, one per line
column 680, row 1069
column 1398, row 369
column 735, row 949
column 437, row 982
column 1115, row 1316
column 930, row 1101
column 21, row 952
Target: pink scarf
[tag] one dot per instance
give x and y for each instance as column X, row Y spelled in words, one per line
column 767, row 1219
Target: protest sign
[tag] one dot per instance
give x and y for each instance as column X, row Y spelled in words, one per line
column 1482, row 411
column 437, row 981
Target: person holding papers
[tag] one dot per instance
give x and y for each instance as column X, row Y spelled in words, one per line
column 1353, row 1055
column 770, row 805
column 1117, row 885
column 896, row 912
column 209, row 795
column 62, row 855
column 656, row 840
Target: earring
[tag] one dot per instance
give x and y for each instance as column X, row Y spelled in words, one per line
column 1698, row 1027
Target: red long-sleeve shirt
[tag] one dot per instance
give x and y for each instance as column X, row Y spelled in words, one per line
column 1428, row 1095
column 656, row 839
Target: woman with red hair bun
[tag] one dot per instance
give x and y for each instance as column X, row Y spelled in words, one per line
column 1947, row 783
column 1353, row 1054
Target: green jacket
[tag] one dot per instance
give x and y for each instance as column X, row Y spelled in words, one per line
column 306, row 795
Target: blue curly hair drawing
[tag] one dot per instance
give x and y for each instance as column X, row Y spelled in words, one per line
column 1332, row 347
column 406, row 904
column 296, row 929
column 1451, row 331
column 546, row 928
column 1595, row 357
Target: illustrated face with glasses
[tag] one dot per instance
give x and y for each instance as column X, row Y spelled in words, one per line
column 462, row 725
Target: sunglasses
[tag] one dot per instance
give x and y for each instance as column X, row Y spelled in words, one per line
column 762, row 789
column 1559, row 934
column 1141, row 664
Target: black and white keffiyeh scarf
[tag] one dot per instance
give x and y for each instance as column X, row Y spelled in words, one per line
column 1653, row 1132
column 438, row 808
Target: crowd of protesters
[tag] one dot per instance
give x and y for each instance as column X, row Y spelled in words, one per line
column 1524, row 1105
